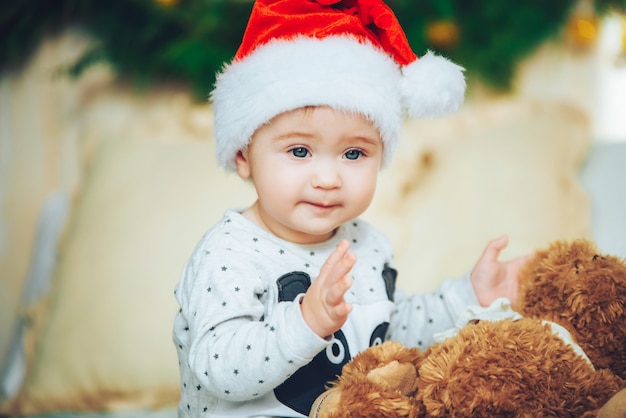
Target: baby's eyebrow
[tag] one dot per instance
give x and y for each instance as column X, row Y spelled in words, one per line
column 369, row 140
column 294, row 134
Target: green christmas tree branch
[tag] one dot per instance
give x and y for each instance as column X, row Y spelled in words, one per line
column 190, row 40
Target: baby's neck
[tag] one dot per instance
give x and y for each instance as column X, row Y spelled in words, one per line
column 254, row 215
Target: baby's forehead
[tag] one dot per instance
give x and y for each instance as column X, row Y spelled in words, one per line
column 308, row 112
column 312, row 109
column 323, row 118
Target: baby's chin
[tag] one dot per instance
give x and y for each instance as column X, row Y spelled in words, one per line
column 310, row 237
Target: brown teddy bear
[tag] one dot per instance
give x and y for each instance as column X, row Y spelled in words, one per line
column 563, row 354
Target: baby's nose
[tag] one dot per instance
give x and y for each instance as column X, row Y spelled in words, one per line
column 326, row 176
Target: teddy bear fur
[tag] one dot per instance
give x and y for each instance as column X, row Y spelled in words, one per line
column 572, row 284
column 380, row 382
column 512, row 368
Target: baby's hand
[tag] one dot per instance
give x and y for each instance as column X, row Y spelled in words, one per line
column 323, row 306
column 493, row 279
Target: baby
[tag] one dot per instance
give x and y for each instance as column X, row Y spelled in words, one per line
column 278, row 296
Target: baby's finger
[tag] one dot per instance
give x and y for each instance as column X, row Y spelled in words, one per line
column 493, row 248
column 337, row 255
column 335, row 293
column 337, row 308
column 341, row 311
column 338, row 270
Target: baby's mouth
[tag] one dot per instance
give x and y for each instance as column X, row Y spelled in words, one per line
column 323, row 206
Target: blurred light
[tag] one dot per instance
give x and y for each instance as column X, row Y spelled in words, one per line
column 610, row 110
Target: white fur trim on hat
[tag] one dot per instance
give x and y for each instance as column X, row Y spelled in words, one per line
column 283, row 75
column 432, row 86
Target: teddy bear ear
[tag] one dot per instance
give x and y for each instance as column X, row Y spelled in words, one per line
column 327, row 404
column 378, row 382
column 395, row 376
column 615, row 407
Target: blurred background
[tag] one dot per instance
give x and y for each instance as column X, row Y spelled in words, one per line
column 108, row 179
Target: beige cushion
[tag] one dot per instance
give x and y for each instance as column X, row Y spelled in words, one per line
column 149, row 195
column 37, row 163
column 504, row 167
column 106, row 342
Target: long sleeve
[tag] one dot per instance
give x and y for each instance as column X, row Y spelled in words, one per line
column 418, row 317
column 238, row 349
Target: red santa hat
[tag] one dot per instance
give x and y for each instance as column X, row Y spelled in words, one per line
column 348, row 54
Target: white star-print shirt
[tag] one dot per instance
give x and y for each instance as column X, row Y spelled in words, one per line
column 244, row 349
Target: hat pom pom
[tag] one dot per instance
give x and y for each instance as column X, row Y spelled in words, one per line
column 432, row 86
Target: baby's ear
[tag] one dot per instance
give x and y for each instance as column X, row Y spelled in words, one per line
column 242, row 162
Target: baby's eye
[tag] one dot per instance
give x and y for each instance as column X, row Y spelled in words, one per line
column 299, row 152
column 353, row 154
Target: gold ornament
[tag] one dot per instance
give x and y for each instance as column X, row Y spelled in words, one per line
column 620, row 61
column 624, row 35
column 582, row 31
column 583, row 26
column 442, row 34
column 167, row 3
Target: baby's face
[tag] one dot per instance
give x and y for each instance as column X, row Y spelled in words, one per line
column 313, row 169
